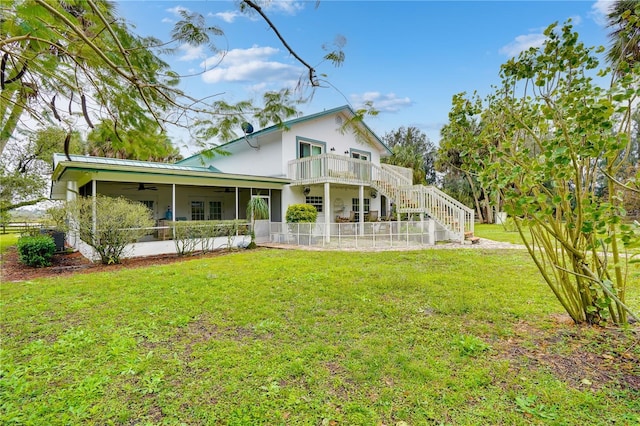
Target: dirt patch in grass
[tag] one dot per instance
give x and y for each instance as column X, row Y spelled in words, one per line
column 64, row 264
column 585, row 357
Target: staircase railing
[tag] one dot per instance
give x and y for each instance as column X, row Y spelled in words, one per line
column 391, row 181
column 444, row 209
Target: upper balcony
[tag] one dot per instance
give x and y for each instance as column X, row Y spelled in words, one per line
column 339, row 169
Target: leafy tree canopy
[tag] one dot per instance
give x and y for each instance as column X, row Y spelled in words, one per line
column 412, row 149
column 73, row 63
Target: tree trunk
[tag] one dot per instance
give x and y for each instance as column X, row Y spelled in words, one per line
column 475, row 197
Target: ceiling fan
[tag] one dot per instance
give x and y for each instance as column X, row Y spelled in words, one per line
column 142, row 187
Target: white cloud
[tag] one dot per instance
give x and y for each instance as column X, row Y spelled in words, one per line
column 522, row 43
column 176, row 10
column 249, row 65
column 228, row 17
column 576, row 20
column 191, row 52
column 599, row 11
column 383, row 103
column 290, row 7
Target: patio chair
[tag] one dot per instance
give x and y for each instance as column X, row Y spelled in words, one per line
column 352, row 216
column 373, row 216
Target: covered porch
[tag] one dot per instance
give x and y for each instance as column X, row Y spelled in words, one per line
column 173, row 194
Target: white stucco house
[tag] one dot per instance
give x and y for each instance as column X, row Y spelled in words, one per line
column 314, row 159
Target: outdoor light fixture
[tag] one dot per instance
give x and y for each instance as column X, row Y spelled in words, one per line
column 374, row 193
column 333, row 148
column 346, row 152
column 306, row 190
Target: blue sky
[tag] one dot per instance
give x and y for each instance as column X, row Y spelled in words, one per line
column 408, row 57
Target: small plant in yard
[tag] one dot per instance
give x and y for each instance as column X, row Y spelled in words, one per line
column 298, row 214
column 301, row 213
column 257, row 209
column 36, row 251
column 471, row 345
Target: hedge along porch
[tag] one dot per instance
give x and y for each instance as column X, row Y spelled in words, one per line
column 171, row 192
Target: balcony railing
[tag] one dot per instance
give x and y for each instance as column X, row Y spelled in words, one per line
column 392, row 181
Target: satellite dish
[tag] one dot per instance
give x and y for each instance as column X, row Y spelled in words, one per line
column 247, row 128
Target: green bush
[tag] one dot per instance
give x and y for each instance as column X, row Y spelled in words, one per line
column 301, row 213
column 36, row 251
column 117, row 223
column 191, row 235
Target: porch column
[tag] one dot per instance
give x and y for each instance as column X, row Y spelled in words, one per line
column 327, row 212
column 94, row 218
column 237, row 202
column 173, row 202
column 361, row 208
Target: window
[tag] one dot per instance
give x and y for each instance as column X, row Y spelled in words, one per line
column 197, row 210
column 215, row 210
column 359, row 155
column 315, row 202
column 308, row 149
column 355, row 206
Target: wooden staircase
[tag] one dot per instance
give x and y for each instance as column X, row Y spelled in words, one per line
column 469, row 238
column 447, row 212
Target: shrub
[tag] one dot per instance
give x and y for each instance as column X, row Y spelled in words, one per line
column 301, row 213
column 118, row 222
column 189, row 235
column 36, row 251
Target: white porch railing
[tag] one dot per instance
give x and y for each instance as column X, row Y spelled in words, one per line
column 355, row 235
column 392, row 181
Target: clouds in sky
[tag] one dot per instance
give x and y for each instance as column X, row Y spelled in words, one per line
column 522, row 43
column 191, row 53
column 249, row 66
column 599, row 11
column 383, row 103
column 228, row 17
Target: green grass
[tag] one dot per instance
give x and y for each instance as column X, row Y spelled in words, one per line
column 310, row 338
column 8, row 240
column 497, row 233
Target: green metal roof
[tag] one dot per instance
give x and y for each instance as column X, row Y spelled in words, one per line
column 57, row 158
column 96, row 164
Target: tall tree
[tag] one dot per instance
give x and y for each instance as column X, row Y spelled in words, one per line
column 132, row 144
column 462, row 151
column 412, row 149
column 624, row 38
column 25, row 166
column 62, row 61
column 556, row 132
column 624, row 56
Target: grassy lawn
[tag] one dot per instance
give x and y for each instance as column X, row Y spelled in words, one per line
column 8, row 240
column 497, row 233
column 461, row 337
